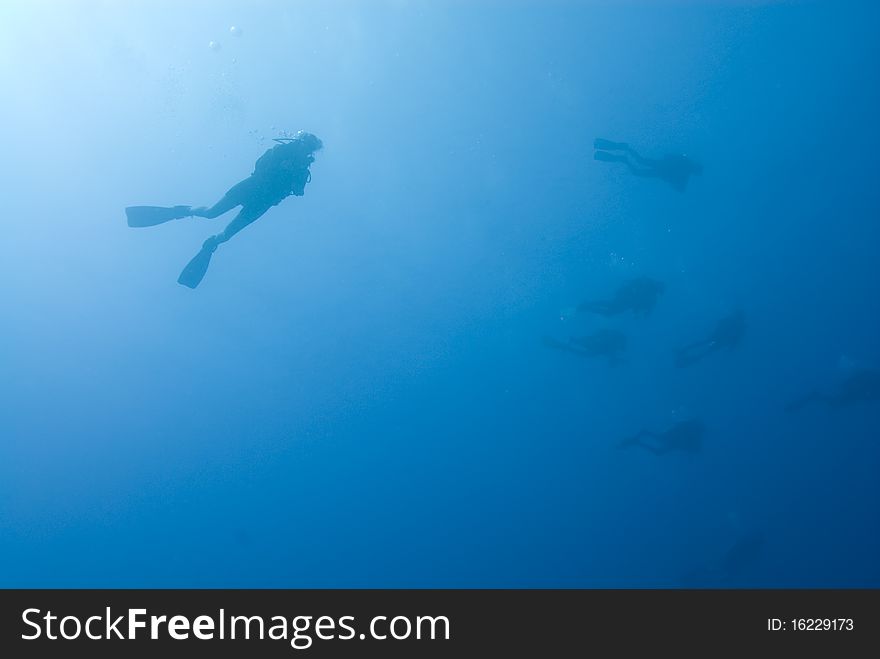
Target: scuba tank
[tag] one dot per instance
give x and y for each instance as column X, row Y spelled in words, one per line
column 299, row 147
column 284, row 169
column 284, row 150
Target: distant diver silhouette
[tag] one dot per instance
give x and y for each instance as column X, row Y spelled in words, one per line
column 280, row 172
column 638, row 295
column 727, row 334
column 674, row 169
column 685, row 436
column 860, row 386
column 607, row 343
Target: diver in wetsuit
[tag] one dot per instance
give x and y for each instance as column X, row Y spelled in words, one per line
column 280, row 172
column 674, row 169
column 638, row 295
column 727, row 334
column 607, row 343
column 686, row 436
column 860, row 386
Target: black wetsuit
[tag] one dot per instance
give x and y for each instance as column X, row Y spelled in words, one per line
column 280, row 172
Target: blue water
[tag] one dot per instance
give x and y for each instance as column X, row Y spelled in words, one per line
column 357, row 394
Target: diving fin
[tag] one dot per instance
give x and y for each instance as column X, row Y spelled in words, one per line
column 608, row 157
column 149, row 216
column 608, row 145
column 195, row 270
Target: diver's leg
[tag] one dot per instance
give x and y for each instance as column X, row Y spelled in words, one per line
column 195, row 270
column 210, row 212
column 609, row 157
column 246, row 216
column 636, row 440
column 578, row 348
column 648, row 446
column 601, row 307
column 650, row 163
column 657, row 446
column 564, row 347
column 644, row 172
column 235, row 196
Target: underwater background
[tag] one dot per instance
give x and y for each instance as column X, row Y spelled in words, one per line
column 358, row 394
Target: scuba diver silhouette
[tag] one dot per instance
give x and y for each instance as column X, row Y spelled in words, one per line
column 728, row 333
column 686, row 436
column 860, row 386
column 280, row 172
column 638, row 295
column 604, row 343
column 674, row 169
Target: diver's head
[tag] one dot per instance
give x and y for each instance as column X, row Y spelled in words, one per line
column 310, row 142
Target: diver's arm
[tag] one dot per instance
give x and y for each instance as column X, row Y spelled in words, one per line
column 298, row 185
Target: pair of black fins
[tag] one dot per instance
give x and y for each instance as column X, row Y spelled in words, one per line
column 150, row 216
